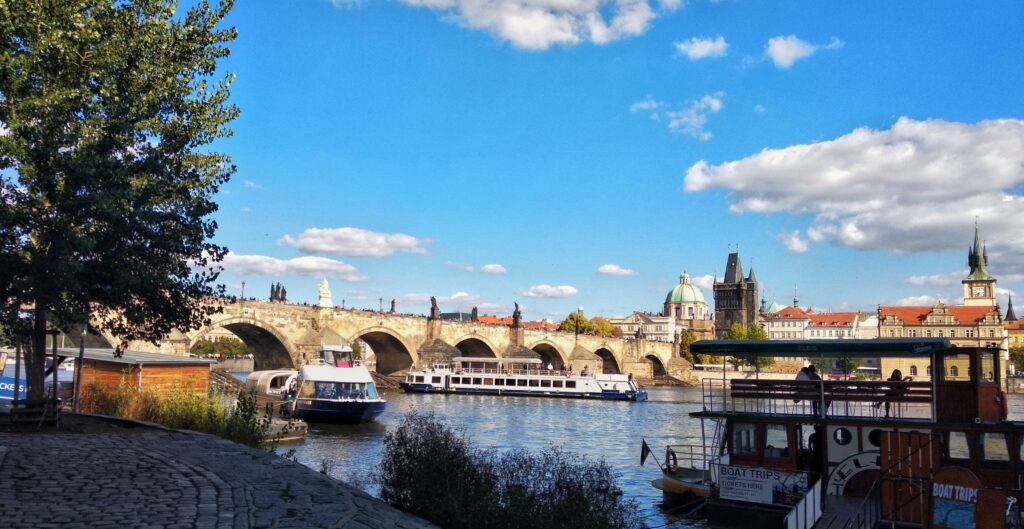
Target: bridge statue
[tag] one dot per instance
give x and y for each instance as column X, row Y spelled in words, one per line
column 435, row 312
column 392, row 311
column 517, row 317
column 325, row 295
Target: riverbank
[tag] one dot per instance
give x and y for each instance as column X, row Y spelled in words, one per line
column 95, row 472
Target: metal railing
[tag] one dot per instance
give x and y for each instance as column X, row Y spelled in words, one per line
column 831, row 398
column 870, row 512
column 807, row 511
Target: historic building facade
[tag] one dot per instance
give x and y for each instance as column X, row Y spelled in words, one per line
column 976, row 323
column 684, row 308
column 735, row 297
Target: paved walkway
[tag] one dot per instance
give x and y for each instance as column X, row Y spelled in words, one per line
column 170, row 480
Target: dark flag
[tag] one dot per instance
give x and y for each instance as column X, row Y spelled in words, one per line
column 644, row 452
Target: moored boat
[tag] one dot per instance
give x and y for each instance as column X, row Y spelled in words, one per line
column 519, row 376
column 337, row 389
column 859, row 454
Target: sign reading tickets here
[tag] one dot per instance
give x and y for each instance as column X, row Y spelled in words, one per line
column 756, row 484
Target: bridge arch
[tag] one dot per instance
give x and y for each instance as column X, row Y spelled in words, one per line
column 394, row 355
column 269, row 347
column 550, row 354
column 657, row 366
column 608, row 361
column 476, row 346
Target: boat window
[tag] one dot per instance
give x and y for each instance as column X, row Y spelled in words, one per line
column 419, row 379
column 521, row 382
column 339, row 390
column 993, row 447
column 570, row 383
column 499, row 382
column 744, row 438
column 371, row 391
column 776, row 440
column 476, row 380
column 545, row 383
column 435, row 380
column 954, row 445
column 558, row 383
column 533, row 383
column 956, row 367
column 988, row 366
column 488, row 381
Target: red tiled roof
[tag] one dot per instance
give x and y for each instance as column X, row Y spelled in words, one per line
column 494, row 320
column 833, row 319
column 789, row 313
column 916, row 315
column 1015, row 325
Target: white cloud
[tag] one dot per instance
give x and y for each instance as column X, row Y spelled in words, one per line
column 938, row 280
column 299, row 266
column 914, row 187
column 246, row 210
column 920, row 301
column 784, row 51
column 457, row 302
column 792, row 241
column 354, row 242
column 540, row 24
column 615, row 270
column 701, row 48
column 690, row 120
column 548, row 291
column 493, row 268
column 647, row 104
column 249, row 184
column 706, row 281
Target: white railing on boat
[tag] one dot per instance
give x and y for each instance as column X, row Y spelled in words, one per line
column 807, row 511
column 507, row 372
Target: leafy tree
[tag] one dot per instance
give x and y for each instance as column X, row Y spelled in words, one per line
column 357, row 350
column 736, row 332
column 1017, row 357
column 686, row 338
column 107, row 111
column 601, row 326
column 756, row 332
column 576, row 322
column 617, row 332
column 222, row 347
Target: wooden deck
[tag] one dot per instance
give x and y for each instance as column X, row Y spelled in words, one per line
column 838, row 511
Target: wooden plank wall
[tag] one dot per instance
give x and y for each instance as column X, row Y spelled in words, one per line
column 158, row 378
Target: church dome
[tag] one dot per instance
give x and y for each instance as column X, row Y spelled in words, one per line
column 685, row 292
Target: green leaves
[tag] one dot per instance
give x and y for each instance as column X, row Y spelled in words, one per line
column 106, row 174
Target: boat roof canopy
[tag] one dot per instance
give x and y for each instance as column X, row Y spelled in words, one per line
column 887, row 348
column 497, row 360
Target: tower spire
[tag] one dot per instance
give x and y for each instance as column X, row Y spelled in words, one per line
column 1010, row 316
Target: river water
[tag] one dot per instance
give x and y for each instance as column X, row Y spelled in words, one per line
column 606, row 430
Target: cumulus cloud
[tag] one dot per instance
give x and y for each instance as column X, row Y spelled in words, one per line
column 457, row 302
column 548, row 291
column 493, row 268
column 706, row 281
column 914, row 187
column 920, row 301
column 938, row 280
column 784, row 51
column 249, row 184
column 615, row 270
column 540, row 24
column 311, row 266
column 792, row 241
column 701, row 48
column 354, row 242
column 690, row 119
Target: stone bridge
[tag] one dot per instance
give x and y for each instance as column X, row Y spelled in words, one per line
column 285, row 335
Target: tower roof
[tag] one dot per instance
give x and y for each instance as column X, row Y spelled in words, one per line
column 685, row 292
column 733, row 269
column 977, row 259
column 752, row 278
column 1010, row 316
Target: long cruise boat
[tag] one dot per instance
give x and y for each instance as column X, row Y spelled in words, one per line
column 520, row 376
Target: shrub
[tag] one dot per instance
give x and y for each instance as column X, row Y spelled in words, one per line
column 435, row 472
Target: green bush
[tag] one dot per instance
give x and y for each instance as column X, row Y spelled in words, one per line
column 435, row 472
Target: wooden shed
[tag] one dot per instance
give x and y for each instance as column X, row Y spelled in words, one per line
column 145, row 372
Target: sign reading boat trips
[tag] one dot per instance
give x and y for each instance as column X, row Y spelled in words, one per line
column 954, row 496
column 758, row 485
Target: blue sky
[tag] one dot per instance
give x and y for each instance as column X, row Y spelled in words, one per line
column 398, row 147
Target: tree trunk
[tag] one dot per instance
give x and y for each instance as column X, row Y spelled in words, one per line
column 35, row 361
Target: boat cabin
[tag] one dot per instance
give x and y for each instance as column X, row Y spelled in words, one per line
column 892, row 449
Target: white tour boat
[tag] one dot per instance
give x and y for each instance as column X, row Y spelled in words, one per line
column 520, row 376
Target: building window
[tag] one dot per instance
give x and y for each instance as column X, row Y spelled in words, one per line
column 691, row 312
column 952, row 333
column 892, row 332
column 991, row 333
column 939, row 334
column 679, row 312
column 954, row 372
column 969, row 333
column 912, row 333
column 928, row 333
column 913, row 371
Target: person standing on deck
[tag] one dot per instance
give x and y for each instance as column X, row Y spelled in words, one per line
column 812, row 374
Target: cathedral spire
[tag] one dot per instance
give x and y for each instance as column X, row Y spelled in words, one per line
column 977, row 258
column 1010, row 316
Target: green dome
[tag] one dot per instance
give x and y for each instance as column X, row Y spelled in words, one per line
column 685, row 292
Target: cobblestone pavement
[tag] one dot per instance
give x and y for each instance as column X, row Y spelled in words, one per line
column 172, row 480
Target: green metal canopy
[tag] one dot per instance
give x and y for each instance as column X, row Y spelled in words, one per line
column 890, row 348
